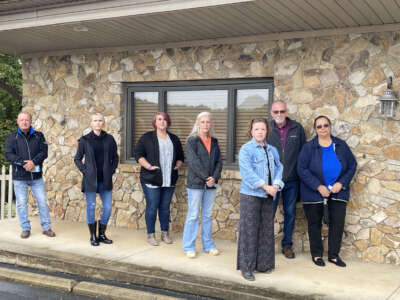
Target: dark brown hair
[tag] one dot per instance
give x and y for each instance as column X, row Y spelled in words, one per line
column 256, row 120
column 320, row 117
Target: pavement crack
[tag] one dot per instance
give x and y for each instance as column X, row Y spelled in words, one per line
column 74, row 283
column 109, row 261
column 395, row 294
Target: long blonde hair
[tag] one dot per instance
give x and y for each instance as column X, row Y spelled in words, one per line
column 195, row 130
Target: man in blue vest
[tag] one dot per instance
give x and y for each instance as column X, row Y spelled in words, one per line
column 288, row 137
column 26, row 149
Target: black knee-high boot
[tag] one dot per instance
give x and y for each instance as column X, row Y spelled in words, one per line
column 93, row 238
column 102, row 234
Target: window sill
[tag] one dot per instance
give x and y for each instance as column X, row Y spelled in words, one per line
column 228, row 172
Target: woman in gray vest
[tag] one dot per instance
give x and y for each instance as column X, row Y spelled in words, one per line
column 160, row 154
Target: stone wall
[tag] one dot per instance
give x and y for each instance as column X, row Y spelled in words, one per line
column 338, row 76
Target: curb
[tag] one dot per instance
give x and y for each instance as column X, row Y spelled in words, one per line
column 117, row 293
column 46, row 281
column 81, row 288
column 96, row 268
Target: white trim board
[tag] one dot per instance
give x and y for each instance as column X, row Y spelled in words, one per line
column 103, row 10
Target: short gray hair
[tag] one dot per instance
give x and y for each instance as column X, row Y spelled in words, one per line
column 25, row 113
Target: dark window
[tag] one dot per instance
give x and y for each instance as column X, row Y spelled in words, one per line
column 232, row 103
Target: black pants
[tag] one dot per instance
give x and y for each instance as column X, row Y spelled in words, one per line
column 314, row 214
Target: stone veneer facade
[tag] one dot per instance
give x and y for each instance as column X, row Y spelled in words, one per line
column 338, row 76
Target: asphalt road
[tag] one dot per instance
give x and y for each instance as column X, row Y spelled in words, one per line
column 17, row 291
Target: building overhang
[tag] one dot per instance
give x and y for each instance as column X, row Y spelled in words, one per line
column 45, row 27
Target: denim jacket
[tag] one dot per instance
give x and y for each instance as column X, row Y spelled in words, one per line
column 253, row 167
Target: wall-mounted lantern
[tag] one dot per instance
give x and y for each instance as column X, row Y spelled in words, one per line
column 389, row 100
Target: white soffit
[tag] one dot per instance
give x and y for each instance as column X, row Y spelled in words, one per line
column 74, row 26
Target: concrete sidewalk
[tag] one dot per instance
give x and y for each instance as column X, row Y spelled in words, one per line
column 131, row 259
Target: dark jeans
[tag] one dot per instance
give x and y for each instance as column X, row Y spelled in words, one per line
column 289, row 198
column 157, row 200
column 337, row 214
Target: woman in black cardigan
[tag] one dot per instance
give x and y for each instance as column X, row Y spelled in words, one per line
column 99, row 150
column 160, row 154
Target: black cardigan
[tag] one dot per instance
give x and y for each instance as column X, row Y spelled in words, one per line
column 88, row 168
column 148, row 147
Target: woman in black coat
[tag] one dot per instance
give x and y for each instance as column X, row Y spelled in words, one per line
column 160, row 154
column 326, row 167
column 99, row 150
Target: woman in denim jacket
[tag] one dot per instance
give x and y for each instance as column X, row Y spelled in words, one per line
column 261, row 172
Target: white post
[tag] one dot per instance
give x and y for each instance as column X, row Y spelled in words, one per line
column 10, row 192
column 3, row 190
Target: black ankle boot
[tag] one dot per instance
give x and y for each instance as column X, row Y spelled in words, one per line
column 102, row 234
column 93, row 238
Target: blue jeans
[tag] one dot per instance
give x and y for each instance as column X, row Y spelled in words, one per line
column 106, row 199
column 157, row 199
column 39, row 193
column 197, row 198
column 289, row 198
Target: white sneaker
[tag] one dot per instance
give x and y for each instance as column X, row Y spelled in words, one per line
column 214, row 252
column 191, row 254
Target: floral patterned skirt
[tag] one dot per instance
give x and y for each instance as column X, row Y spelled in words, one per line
column 256, row 246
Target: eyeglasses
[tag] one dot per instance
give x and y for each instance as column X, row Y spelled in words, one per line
column 320, row 126
column 279, row 111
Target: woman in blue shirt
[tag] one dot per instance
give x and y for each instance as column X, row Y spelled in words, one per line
column 261, row 172
column 326, row 167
